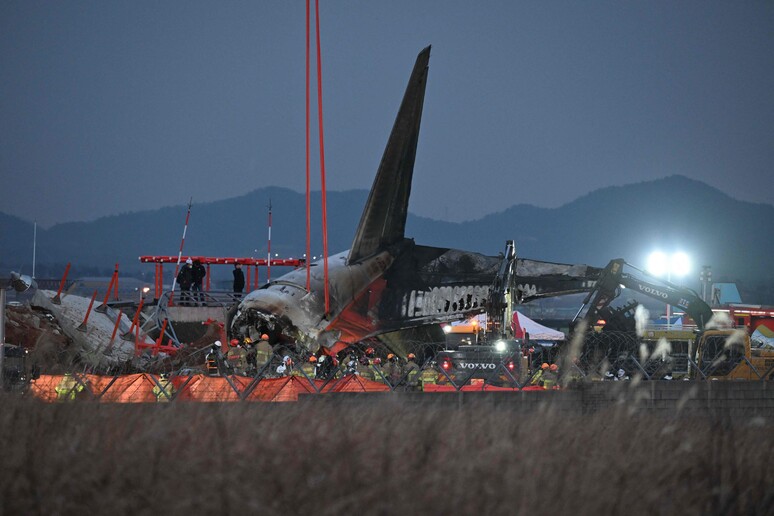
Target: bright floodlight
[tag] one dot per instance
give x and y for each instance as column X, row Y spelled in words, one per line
column 658, row 263
column 677, row 264
column 680, row 264
column 500, row 346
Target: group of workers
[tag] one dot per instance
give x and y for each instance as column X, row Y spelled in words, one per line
column 248, row 358
column 190, row 279
column 243, row 357
column 547, row 376
column 391, row 370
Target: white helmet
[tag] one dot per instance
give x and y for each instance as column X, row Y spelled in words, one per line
column 218, row 344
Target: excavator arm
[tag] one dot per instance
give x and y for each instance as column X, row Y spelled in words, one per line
column 619, row 274
column 500, row 300
column 520, row 280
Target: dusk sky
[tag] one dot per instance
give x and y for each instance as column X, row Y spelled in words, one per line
column 109, row 107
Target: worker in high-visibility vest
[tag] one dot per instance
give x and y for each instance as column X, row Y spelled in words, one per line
column 393, row 370
column 376, row 370
column 68, row 388
column 550, row 377
column 366, row 361
column 237, row 356
column 216, row 362
column 411, row 370
column 263, row 351
column 307, row 369
column 211, row 363
column 164, row 390
column 428, row 376
column 367, row 370
column 537, row 378
column 250, row 356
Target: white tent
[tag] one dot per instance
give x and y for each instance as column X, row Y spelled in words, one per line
column 521, row 323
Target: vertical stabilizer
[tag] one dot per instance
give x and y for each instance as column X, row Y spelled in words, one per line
column 384, row 218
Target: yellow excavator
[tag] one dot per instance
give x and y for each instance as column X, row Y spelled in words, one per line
column 719, row 351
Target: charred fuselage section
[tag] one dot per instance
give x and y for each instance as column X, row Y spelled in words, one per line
column 404, row 286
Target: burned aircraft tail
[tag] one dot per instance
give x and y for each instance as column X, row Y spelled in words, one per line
column 384, row 218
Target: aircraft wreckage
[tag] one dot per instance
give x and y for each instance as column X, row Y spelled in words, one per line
column 386, row 282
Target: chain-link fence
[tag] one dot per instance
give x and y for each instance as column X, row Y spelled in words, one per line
column 241, row 374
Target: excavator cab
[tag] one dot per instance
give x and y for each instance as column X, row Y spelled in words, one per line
column 724, row 354
column 717, row 356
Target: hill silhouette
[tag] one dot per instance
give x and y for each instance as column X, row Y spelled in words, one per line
column 732, row 236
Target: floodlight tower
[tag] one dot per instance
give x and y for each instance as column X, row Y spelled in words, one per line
column 659, row 264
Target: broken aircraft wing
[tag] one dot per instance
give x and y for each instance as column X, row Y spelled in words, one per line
column 535, row 279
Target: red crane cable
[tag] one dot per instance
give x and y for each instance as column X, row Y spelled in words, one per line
column 308, row 195
column 322, row 157
column 268, row 258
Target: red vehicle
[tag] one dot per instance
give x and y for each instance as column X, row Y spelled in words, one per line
column 759, row 320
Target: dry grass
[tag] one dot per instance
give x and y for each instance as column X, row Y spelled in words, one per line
column 374, row 458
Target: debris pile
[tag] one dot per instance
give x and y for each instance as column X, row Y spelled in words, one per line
column 60, row 336
column 37, row 329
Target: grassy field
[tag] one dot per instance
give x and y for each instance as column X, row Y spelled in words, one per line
column 374, row 458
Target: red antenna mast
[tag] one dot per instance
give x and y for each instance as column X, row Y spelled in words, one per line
column 182, row 242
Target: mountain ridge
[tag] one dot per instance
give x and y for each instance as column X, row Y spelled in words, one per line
column 617, row 221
